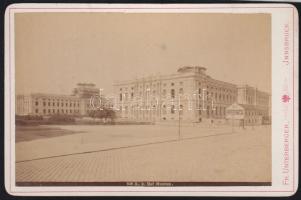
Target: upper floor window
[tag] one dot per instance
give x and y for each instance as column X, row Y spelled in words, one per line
column 172, row 93
column 172, row 84
column 37, row 103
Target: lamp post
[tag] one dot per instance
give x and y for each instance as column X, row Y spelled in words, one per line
column 232, row 116
column 179, row 124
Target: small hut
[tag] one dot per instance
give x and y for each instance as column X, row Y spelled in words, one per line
column 243, row 115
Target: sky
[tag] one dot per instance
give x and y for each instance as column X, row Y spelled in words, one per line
column 55, row 51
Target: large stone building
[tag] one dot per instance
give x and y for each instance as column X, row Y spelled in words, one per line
column 77, row 103
column 189, row 94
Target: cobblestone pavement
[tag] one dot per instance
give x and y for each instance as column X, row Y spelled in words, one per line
column 241, row 156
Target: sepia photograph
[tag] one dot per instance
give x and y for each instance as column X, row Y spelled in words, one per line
column 151, row 100
column 143, row 99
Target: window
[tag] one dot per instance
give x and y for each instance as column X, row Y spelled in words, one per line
column 172, row 109
column 48, row 110
column 120, row 96
column 37, row 103
column 181, row 110
column 132, row 95
column 62, row 104
column 172, row 84
column 181, row 83
column 48, row 103
column 37, row 110
column 172, row 93
column 66, row 104
column 44, row 103
column 181, row 91
column 44, row 111
column 53, row 104
column 208, row 111
column 58, row 104
column 164, row 109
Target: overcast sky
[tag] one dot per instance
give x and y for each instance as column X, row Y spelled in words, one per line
column 54, row 51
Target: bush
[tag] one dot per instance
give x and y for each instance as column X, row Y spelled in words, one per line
column 29, row 117
column 61, row 118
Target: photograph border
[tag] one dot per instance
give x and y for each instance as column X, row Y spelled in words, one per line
column 9, row 89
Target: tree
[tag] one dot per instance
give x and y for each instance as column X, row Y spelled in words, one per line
column 104, row 114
